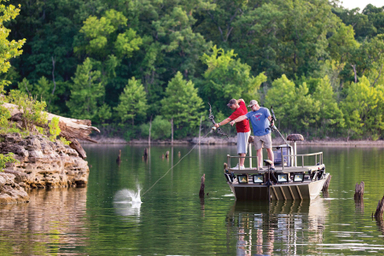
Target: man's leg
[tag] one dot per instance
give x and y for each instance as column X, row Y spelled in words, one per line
column 242, row 159
column 260, row 157
column 268, row 146
column 242, row 146
column 271, row 156
column 259, row 150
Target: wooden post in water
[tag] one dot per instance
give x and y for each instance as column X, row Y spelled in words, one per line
column 202, row 186
column 359, row 191
column 145, row 154
column 379, row 209
column 118, row 160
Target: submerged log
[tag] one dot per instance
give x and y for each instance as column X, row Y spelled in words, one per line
column 359, row 191
column 71, row 129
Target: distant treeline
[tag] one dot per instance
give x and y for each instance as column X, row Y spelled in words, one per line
column 131, row 64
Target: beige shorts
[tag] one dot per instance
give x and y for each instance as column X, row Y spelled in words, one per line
column 260, row 140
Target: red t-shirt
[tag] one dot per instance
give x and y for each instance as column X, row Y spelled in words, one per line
column 242, row 126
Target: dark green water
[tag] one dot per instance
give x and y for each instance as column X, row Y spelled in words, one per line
column 172, row 220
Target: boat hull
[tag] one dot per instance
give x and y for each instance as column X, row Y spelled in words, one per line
column 285, row 191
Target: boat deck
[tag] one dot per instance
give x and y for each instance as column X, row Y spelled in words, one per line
column 278, row 169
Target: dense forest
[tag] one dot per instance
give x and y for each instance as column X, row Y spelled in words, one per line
column 130, row 64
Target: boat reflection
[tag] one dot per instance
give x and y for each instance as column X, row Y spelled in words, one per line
column 283, row 227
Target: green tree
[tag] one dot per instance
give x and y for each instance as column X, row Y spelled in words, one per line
column 307, row 111
column 284, row 37
column 132, row 102
column 87, row 92
column 9, row 49
column 363, row 27
column 282, row 97
column 181, row 103
column 330, row 115
column 4, row 112
column 32, row 109
column 4, row 159
column 106, row 36
column 161, row 129
column 227, row 78
column 50, row 27
column 110, row 43
column 296, row 110
column 363, row 110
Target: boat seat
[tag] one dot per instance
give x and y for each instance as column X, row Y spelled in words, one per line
column 268, row 162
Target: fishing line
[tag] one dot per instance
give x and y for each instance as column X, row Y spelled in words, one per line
column 174, row 165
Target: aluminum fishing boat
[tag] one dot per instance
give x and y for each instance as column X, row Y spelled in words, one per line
column 296, row 176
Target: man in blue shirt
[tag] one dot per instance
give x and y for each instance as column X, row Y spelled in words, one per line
column 260, row 119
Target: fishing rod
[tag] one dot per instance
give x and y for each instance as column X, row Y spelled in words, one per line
column 273, row 126
column 218, row 130
column 212, row 118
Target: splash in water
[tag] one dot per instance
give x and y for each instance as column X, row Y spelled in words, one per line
column 128, row 196
column 127, row 202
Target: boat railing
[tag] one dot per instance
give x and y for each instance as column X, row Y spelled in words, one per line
column 318, row 157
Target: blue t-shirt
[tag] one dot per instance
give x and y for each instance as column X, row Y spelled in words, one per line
column 259, row 121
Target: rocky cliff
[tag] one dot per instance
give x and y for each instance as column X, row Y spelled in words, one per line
column 41, row 164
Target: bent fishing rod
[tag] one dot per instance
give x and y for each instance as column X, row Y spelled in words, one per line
column 273, row 127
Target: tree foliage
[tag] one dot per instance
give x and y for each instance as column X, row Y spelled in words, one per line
column 304, row 57
column 182, row 103
column 132, row 102
column 87, row 92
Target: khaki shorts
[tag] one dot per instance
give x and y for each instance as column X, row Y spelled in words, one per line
column 260, row 140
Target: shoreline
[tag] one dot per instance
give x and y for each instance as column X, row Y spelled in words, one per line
column 232, row 141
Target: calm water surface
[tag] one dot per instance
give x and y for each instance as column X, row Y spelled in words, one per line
column 171, row 219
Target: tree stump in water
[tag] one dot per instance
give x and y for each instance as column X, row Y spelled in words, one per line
column 359, row 191
column 118, row 160
column 202, row 186
column 145, row 154
column 379, row 209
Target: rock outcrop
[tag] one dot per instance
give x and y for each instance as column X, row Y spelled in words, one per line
column 41, row 163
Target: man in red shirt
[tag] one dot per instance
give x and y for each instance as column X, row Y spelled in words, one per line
column 242, row 128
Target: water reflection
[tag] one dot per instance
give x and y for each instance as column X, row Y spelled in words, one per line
column 279, row 227
column 53, row 221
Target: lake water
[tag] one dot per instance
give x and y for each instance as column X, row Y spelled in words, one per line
column 171, row 219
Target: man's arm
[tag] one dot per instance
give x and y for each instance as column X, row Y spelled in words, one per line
column 270, row 119
column 225, row 121
column 239, row 119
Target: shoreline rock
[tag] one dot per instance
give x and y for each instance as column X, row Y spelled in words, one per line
column 41, row 163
